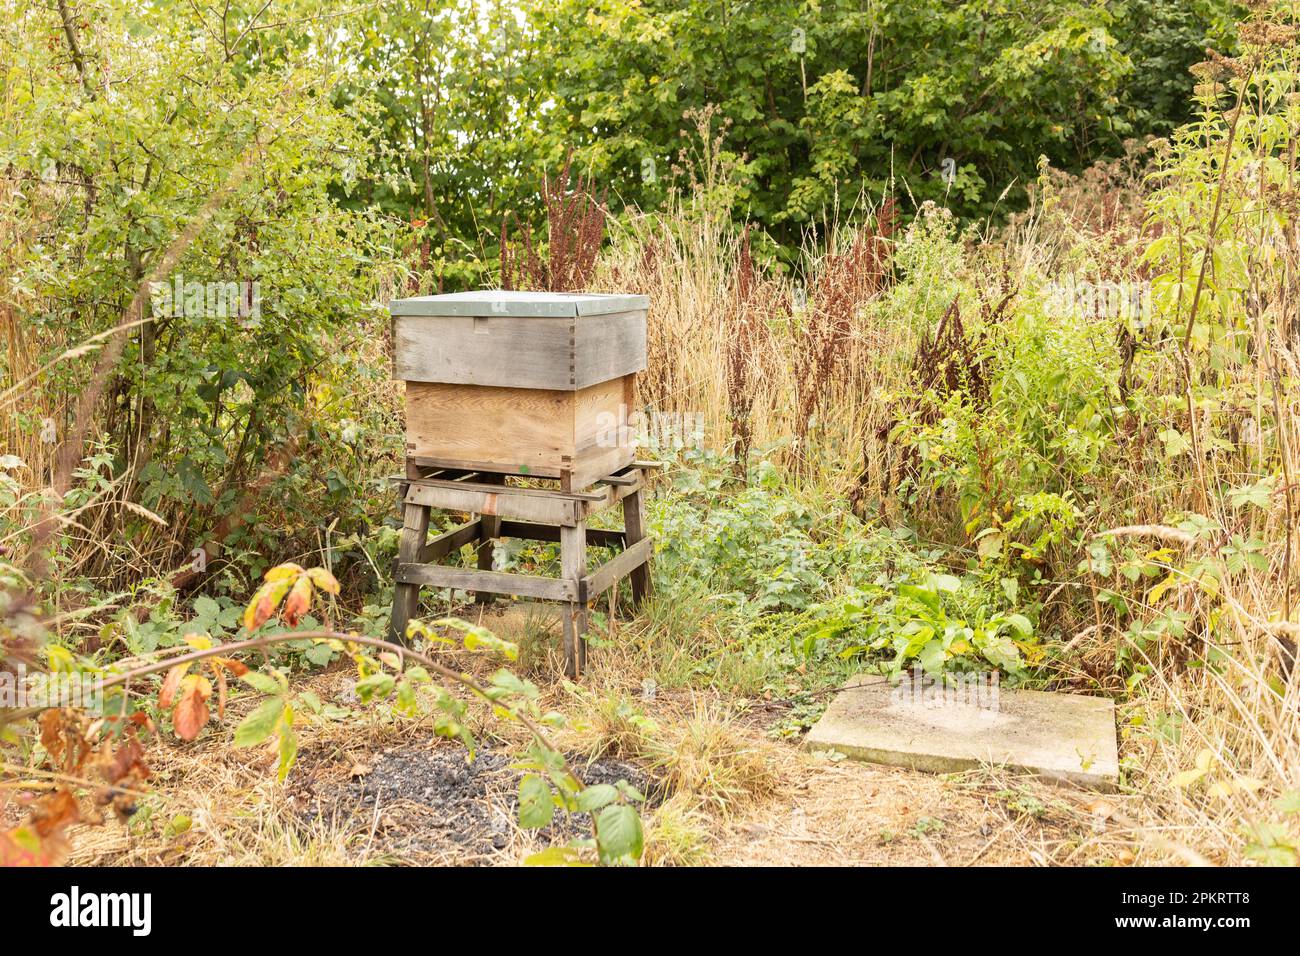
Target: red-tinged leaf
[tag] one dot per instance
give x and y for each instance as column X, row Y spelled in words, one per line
column 40, row 840
column 51, row 722
column 264, row 602
column 191, row 713
column 171, row 685
column 119, row 724
column 238, row 668
column 298, row 602
column 23, row 846
column 64, row 735
column 220, row 674
column 54, row 811
column 200, row 642
column 127, row 761
column 324, row 580
column 283, row 572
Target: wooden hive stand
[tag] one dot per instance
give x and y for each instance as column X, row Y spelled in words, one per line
column 503, row 385
column 498, row 509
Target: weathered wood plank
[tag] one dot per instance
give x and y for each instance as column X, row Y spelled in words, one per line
column 496, row 350
column 615, row 569
column 573, row 562
column 506, row 504
column 406, row 597
column 521, row 303
column 608, row 346
column 525, row 431
column 497, row 467
column 450, row 541
column 489, row 529
column 627, row 481
column 562, row 353
column 591, row 463
column 634, row 522
column 596, row 496
column 515, row 428
column 497, row 582
column 612, row 495
column 597, row 537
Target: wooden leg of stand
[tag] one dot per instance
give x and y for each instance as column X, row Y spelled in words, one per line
column 491, row 530
column 573, row 561
column 634, row 523
column 406, row 597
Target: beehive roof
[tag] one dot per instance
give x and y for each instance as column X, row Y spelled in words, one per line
column 503, row 302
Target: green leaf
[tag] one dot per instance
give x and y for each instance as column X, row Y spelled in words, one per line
column 376, row 685
column 260, row 724
column 619, row 838
column 205, row 607
column 945, row 582
column 288, row 746
column 923, row 595
column 261, row 682
column 319, row 654
column 407, row 703
column 629, row 792
column 536, row 805
column 507, row 682
column 556, row 856
column 932, row 657
column 1289, row 802
column 1011, row 588
column 1020, row 624
column 595, row 797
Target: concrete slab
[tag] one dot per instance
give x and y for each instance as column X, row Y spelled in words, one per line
column 1063, row 737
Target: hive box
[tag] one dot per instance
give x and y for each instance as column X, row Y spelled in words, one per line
column 531, row 383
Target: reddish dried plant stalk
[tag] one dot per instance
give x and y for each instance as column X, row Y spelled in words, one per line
column 575, row 227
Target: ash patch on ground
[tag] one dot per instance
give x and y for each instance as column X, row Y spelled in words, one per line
column 426, row 803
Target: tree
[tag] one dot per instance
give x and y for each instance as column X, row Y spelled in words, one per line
column 196, row 148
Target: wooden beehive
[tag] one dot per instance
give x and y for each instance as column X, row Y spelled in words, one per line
column 530, row 383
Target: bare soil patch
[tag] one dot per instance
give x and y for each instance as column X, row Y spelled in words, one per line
column 425, row 801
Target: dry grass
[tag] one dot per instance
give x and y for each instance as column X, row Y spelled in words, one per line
column 762, row 357
column 734, row 798
column 708, row 757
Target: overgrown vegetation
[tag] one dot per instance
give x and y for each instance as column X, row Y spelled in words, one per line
column 1060, row 445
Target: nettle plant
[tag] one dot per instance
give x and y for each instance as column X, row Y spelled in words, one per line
column 409, row 682
column 940, row 621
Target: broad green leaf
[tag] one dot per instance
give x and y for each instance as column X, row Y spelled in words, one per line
column 260, row 724
column 406, row 703
column 288, row 745
column 1289, row 802
column 619, row 838
column 536, row 804
column 556, row 856
column 264, row 683
column 205, row 607
column 932, row 657
column 945, row 582
column 924, row 595
column 1021, row 624
column 375, row 686
column 595, row 797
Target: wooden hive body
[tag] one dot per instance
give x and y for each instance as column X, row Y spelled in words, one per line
column 520, row 382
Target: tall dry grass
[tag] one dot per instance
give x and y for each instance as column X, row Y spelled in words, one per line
column 807, row 368
column 784, row 363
